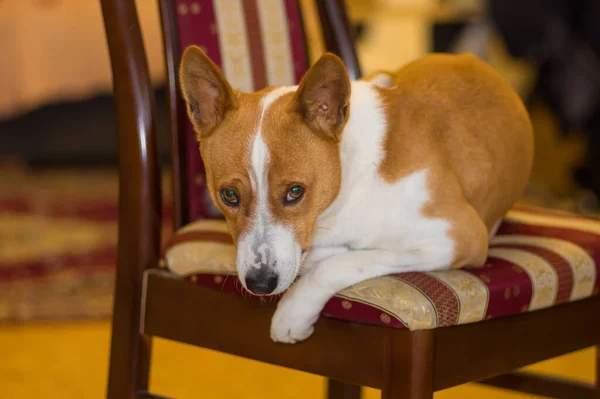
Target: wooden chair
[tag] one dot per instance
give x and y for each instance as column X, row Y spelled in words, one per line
column 150, row 302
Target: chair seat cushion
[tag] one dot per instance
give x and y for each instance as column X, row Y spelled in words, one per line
column 538, row 259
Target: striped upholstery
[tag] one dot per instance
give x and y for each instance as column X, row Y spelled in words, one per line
column 538, row 259
column 256, row 43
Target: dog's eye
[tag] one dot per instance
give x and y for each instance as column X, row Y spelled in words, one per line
column 294, row 194
column 230, row 197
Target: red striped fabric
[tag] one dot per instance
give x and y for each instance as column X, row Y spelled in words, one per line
column 197, row 28
column 297, row 38
column 562, row 267
column 584, row 239
column 352, row 310
column 509, row 287
column 257, row 53
column 444, row 300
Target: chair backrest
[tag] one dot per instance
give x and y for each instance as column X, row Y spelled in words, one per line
column 256, row 43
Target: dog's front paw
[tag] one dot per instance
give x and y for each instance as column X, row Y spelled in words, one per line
column 293, row 321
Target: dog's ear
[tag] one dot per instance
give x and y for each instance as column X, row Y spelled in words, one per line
column 207, row 94
column 323, row 96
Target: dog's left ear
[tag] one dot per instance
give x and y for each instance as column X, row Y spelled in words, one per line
column 323, row 96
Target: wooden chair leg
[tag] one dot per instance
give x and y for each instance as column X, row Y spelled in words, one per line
column 129, row 368
column 341, row 390
column 409, row 365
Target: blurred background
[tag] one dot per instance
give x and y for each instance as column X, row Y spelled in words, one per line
column 58, row 177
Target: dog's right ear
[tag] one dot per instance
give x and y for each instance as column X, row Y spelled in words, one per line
column 207, row 94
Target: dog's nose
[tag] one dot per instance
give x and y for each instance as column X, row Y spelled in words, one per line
column 262, row 282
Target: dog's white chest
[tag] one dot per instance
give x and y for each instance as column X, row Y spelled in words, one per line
column 376, row 214
column 369, row 212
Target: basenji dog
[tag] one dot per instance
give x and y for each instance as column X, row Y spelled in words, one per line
column 333, row 182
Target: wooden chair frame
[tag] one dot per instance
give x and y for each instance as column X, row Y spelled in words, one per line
column 401, row 363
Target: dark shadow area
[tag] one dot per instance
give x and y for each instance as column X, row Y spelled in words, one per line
column 73, row 134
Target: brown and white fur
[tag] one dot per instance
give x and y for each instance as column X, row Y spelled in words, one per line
column 411, row 171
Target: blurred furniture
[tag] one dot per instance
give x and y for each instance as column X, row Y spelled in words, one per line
column 561, row 38
column 151, row 302
column 395, row 32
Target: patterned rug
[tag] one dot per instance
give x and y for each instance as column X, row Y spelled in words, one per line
column 58, row 233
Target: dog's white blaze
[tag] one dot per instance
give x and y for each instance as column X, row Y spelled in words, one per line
column 260, row 163
column 267, row 242
column 259, row 179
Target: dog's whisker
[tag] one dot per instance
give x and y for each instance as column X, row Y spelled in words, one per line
column 225, row 280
